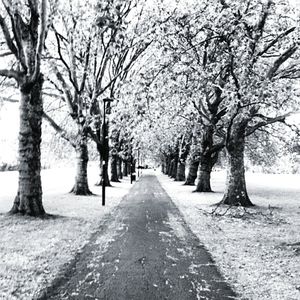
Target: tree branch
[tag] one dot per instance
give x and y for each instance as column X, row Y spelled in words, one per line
column 10, row 74
column 271, row 44
column 58, row 129
column 41, row 38
column 266, row 122
column 283, row 57
column 8, row 38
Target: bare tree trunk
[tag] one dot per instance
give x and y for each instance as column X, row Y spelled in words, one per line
column 208, row 158
column 236, row 191
column 163, row 166
column 128, row 165
column 107, row 181
column 169, row 166
column 81, row 186
column 206, row 164
column 114, row 171
column 125, row 169
column 174, row 168
column 192, row 174
column 100, row 171
column 29, row 197
column 180, row 175
column 119, row 168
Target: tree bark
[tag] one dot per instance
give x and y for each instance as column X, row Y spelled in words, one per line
column 192, row 174
column 169, row 166
column 98, row 183
column 208, row 158
column 81, row 186
column 29, row 197
column 163, row 167
column 171, row 170
column 119, row 168
column 236, row 191
column 205, row 167
column 125, row 169
column 128, row 164
column 106, row 177
column 175, row 167
column 180, row 175
column 114, row 171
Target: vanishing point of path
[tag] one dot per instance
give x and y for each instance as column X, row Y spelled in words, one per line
column 144, row 250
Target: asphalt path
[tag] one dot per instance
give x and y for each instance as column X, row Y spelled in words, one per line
column 144, row 250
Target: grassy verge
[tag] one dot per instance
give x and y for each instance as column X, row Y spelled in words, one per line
column 257, row 249
column 33, row 251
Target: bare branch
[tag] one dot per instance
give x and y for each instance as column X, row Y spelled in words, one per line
column 41, row 38
column 58, row 129
column 267, row 121
column 278, row 62
column 10, row 74
column 8, row 38
column 271, row 44
column 6, row 99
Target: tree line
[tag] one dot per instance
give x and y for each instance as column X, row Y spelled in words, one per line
column 182, row 81
column 227, row 76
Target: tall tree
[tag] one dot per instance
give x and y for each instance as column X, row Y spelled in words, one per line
column 24, row 29
column 69, row 54
column 261, row 40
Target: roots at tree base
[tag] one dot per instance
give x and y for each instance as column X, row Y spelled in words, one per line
column 29, row 207
column 237, row 200
column 81, row 191
column 203, row 185
column 99, row 183
column 191, row 183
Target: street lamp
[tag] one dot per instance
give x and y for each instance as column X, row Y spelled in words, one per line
column 138, row 162
column 105, row 149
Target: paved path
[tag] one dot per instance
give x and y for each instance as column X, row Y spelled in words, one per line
column 144, row 251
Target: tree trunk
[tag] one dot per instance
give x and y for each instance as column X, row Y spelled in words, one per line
column 128, row 164
column 81, row 186
column 192, row 175
column 174, row 168
column 180, row 175
column 106, row 177
column 163, row 167
column 119, row 168
column 114, row 169
column 236, row 191
column 100, row 172
column 29, row 197
column 169, row 166
column 208, row 158
column 125, row 169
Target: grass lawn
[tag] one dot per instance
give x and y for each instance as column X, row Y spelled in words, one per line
column 257, row 249
column 33, row 251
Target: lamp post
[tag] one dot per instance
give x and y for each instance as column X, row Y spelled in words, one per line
column 105, row 149
column 138, row 162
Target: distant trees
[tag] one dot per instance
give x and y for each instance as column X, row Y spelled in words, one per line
column 238, row 70
column 89, row 62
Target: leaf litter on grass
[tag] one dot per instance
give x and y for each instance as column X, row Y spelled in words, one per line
column 33, row 251
column 255, row 248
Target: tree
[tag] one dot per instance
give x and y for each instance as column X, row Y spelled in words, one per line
column 24, row 37
column 261, row 40
column 69, row 52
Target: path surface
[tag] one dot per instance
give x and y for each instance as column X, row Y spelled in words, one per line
column 143, row 251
